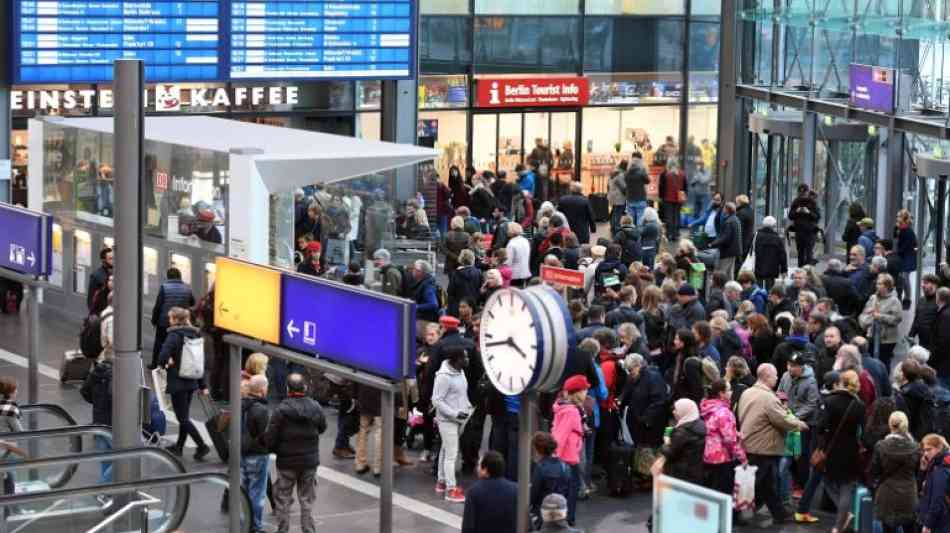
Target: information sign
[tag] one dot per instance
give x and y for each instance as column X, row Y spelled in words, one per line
column 872, row 88
column 247, row 299
column 562, row 276
column 76, row 41
column 349, row 326
column 26, row 240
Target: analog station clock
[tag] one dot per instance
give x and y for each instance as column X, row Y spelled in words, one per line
column 524, row 339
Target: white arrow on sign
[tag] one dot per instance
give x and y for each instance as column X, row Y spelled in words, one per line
column 291, row 330
column 31, row 258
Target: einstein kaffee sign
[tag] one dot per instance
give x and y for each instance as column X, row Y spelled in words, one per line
column 165, row 97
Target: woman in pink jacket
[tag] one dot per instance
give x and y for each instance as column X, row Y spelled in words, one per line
column 723, row 447
column 568, row 430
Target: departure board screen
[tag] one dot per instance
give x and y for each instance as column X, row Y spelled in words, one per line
column 76, row 41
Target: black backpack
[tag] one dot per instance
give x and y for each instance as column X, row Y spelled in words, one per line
column 90, row 336
column 630, row 244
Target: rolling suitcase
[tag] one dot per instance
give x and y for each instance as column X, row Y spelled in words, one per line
column 75, row 366
column 863, row 510
column 598, row 199
column 218, row 425
column 620, row 469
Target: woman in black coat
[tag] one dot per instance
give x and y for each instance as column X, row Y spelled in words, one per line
column 894, row 467
column 851, row 229
column 465, row 283
column 181, row 389
column 682, row 456
column 840, row 420
column 644, row 400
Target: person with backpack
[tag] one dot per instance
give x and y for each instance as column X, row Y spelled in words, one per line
column 771, row 257
column 611, row 272
column 550, row 474
column 183, row 353
column 173, row 293
column 393, row 278
column 627, row 237
column 97, row 390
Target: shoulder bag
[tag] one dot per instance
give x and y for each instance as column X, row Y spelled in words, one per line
column 749, row 263
column 819, row 456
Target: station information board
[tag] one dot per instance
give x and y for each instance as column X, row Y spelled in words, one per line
column 76, row 41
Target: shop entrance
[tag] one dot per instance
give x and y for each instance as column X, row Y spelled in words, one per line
column 502, row 140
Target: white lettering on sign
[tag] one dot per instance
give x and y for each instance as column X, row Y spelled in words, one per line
column 164, row 97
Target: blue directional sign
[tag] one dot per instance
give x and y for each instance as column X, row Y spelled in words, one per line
column 354, row 327
column 26, row 240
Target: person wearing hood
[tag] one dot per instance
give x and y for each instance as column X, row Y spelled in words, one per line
column 682, row 456
column 882, row 316
column 293, row 434
column 722, row 448
column 255, row 452
column 182, row 389
column 771, row 257
column 894, row 463
column 452, row 409
column 569, row 430
column 933, row 509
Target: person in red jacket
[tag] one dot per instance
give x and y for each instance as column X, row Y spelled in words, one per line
column 673, row 195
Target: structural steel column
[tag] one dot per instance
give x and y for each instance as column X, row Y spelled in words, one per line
column 890, row 182
column 529, row 401
column 386, row 482
column 807, row 154
column 729, row 124
column 6, row 114
column 234, row 438
column 127, row 300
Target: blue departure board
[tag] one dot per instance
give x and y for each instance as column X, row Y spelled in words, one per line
column 76, row 41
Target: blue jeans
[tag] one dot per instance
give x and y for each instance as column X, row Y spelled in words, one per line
column 105, row 468
column 572, row 493
column 635, row 210
column 504, row 440
column 616, row 212
column 699, row 201
column 785, row 465
column 254, row 481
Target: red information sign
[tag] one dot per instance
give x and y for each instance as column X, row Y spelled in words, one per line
column 533, row 92
column 562, row 276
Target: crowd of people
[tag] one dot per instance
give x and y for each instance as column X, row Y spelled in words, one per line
column 694, row 359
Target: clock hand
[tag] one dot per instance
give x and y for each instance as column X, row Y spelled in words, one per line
column 519, row 350
column 499, row 343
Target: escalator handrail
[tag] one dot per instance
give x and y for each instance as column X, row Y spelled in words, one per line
column 50, row 407
column 97, row 457
column 73, row 430
column 182, row 481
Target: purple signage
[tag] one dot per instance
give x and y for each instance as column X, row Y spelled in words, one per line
column 26, row 240
column 872, row 88
column 352, row 327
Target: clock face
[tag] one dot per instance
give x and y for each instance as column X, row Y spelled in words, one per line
column 509, row 341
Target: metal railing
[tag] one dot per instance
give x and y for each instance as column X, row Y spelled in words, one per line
column 70, row 423
column 141, row 505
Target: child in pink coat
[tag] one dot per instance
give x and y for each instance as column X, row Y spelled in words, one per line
column 723, row 447
column 568, row 430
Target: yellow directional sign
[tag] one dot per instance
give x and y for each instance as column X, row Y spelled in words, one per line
column 247, row 300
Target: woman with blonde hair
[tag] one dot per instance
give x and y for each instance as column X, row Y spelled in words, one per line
column 894, row 465
column 905, row 241
column 182, row 389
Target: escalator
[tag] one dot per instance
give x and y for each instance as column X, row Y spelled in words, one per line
column 65, row 492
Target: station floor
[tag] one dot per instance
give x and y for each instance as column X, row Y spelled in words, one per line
column 345, row 501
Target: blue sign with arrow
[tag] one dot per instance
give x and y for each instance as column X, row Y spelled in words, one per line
column 26, row 240
column 350, row 326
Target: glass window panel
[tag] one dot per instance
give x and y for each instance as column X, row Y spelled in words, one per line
column 484, row 141
column 449, row 129
column 526, row 7
column 183, row 264
column 56, row 276
column 701, row 153
column 443, row 7
column 704, row 61
column 636, row 7
column 526, row 44
column 369, row 126
column 706, row 7
column 369, row 94
column 82, row 247
column 633, row 44
column 641, row 88
column 510, row 146
column 150, row 274
column 444, row 44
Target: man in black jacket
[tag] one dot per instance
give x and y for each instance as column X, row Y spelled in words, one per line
column 771, row 259
column 294, row 436
column 100, row 277
column 805, row 215
column 255, row 456
column 940, row 336
column 747, row 223
column 840, row 289
column 729, row 242
column 926, row 313
column 173, row 293
column 491, row 504
column 580, row 216
column 636, row 180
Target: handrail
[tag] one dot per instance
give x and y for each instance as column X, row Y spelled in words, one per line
column 182, row 481
column 77, row 431
column 97, row 457
column 64, row 431
column 144, row 503
column 50, row 407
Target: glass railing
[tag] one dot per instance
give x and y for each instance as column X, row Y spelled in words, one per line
column 89, row 496
column 44, row 417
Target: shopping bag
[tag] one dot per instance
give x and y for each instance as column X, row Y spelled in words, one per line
column 159, row 385
column 749, row 264
column 744, row 491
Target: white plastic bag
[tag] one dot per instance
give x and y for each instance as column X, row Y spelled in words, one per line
column 744, row 491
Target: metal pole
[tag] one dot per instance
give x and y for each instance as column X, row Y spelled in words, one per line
column 939, row 224
column 234, row 440
column 525, row 423
column 129, row 129
column 33, row 369
column 386, row 483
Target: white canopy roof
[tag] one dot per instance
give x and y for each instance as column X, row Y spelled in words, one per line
column 290, row 158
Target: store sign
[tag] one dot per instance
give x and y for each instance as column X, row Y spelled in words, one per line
column 533, row 92
column 168, row 97
column 871, row 88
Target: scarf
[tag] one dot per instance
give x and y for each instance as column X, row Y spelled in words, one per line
column 686, row 410
column 9, row 408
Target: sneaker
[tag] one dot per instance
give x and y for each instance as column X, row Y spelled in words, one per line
column 440, row 487
column 174, row 450
column 805, row 518
column 426, row 456
column 202, row 452
column 455, row 495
